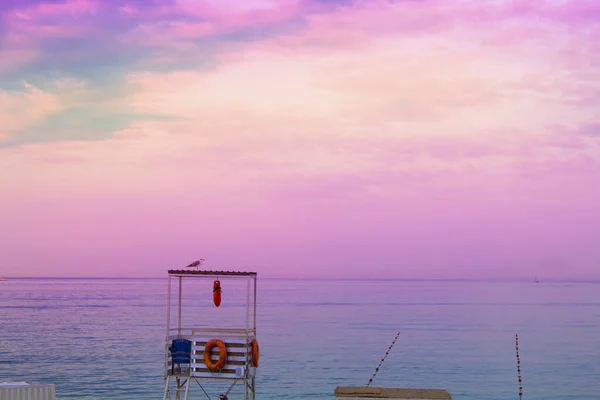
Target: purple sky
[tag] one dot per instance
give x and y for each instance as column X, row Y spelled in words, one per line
column 301, row 138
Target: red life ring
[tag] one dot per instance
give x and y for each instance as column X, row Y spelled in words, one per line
column 215, row 366
column 255, row 353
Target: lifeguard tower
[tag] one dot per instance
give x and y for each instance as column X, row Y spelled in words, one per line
column 210, row 346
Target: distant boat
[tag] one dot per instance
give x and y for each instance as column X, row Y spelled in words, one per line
column 536, row 280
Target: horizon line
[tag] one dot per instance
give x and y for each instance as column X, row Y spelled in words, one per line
column 497, row 280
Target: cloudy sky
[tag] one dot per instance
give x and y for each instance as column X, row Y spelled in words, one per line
column 301, row 138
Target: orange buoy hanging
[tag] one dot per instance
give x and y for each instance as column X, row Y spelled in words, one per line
column 255, row 353
column 217, row 293
column 215, row 366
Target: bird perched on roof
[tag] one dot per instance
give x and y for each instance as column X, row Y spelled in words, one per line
column 195, row 264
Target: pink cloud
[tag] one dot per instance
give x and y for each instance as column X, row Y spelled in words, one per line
column 496, row 23
column 26, row 33
column 395, row 206
column 13, row 59
column 214, row 21
column 445, row 143
column 577, row 14
column 70, row 7
column 19, row 110
column 29, row 26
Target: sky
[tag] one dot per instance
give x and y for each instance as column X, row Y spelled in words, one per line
column 301, row 138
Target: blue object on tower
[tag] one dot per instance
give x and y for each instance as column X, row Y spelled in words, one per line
column 181, row 351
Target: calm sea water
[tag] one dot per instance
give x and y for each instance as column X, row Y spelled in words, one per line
column 103, row 338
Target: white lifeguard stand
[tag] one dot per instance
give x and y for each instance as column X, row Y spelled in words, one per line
column 193, row 320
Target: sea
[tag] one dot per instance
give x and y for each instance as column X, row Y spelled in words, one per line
column 105, row 338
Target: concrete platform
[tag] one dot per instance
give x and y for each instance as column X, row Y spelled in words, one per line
column 391, row 393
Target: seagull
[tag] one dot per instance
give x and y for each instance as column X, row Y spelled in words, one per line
column 195, row 264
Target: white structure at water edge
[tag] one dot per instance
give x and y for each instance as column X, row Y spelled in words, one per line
column 210, row 342
column 26, row 391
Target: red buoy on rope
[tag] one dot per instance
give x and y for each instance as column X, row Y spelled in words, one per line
column 217, row 293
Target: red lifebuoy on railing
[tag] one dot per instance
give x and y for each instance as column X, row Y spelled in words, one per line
column 255, row 353
column 215, row 366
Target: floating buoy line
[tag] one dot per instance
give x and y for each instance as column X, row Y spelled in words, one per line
column 382, row 360
column 519, row 367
